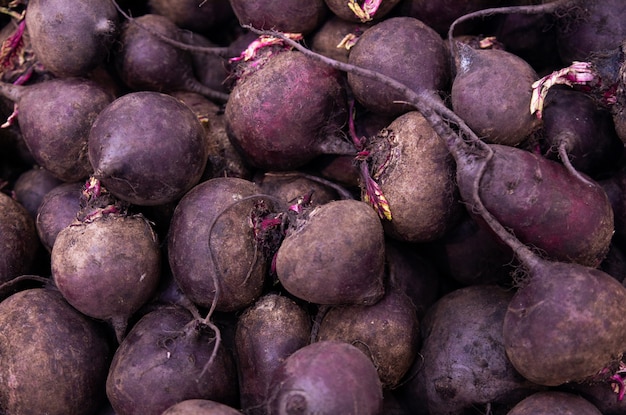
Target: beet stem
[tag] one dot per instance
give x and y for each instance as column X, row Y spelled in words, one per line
column 367, row 12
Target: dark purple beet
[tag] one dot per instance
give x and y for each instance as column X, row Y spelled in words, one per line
column 32, row 185
column 144, row 61
column 148, row 148
column 55, row 117
column 267, row 333
column 326, row 377
column 58, row 365
column 402, row 48
column 59, row 208
column 291, row 16
column 19, row 236
column 554, row 403
column 162, row 361
column 288, row 112
column 193, row 15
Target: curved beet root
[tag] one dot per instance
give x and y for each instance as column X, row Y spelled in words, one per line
column 387, row 332
column 347, row 268
column 106, row 263
column 146, row 62
column 213, row 249
column 59, row 365
column 70, row 38
column 291, row 16
column 147, row 148
column 326, row 378
column 19, row 234
column 162, row 361
column 287, row 112
column 55, row 117
column 266, row 334
column 404, row 49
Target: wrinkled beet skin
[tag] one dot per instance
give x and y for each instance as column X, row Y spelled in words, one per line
column 159, row 364
column 59, row 365
column 147, row 148
column 281, row 115
column 551, row 210
column 326, row 378
column 566, row 324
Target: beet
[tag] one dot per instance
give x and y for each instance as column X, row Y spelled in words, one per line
column 162, row 361
column 290, row 187
column 56, row 130
column 326, row 378
column 71, row 38
column 147, row 148
column 107, row 262
column 267, row 333
column 59, row 209
column 287, row 112
column 491, row 92
column 212, row 242
column 32, row 185
column 200, row 407
column 146, row 62
column 554, row 403
column 193, row 15
column 387, row 332
column 404, row 49
column 347, row 268
column 328, row 39
column 59, row 365
column 415, row 173
column 18, row 233
column 290, row 16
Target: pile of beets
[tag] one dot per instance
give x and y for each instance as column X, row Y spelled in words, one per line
column 218, row 207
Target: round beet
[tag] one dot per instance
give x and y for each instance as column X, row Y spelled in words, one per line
column 335, row 255
column 70, row 38
column 165, row 360
column 147, row 148
column 491, row 93
column 212, row 241
column 402, row 48
column 59, row 208
column 267, row 333
column 19, row 237
column 193, row 15
column 107, row 265
column 55, row 117
column 287, row 112
column 326, row 378
column 31, row 187
column 58, row 365
column 387, row 332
